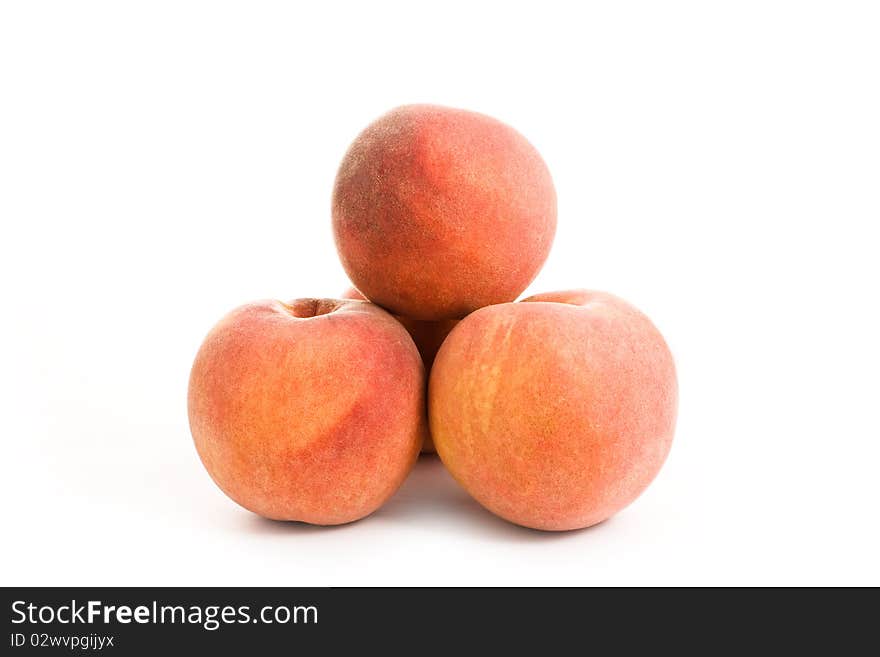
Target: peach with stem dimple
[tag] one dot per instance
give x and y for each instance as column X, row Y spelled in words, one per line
column 310, row 411
column 555, row 412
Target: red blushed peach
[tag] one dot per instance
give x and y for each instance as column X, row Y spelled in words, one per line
column 440, row 211
column 428, row 337
column 555, row 412
column 310, row 411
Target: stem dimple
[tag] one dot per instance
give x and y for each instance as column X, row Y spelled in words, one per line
column 309, row 307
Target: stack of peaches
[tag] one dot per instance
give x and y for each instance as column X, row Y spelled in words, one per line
column 554, row 412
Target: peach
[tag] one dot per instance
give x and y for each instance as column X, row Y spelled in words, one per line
column 556, row 412
column 311, row 411
column 428, row 337
column 440, row 211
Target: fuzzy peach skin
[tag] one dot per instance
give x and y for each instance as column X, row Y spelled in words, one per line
column 440, row 211
column 428, row 337
column 311, row 411
column 555, row 412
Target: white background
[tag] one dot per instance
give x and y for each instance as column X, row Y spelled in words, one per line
column 717, row 164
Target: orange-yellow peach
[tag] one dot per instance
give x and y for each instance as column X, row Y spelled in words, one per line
column 311, row 411
column 440, row 211
column 556, row 412
column 428, row 337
